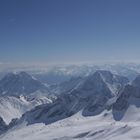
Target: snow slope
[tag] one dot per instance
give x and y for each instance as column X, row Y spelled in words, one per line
column 13, row 107
column 77, row 127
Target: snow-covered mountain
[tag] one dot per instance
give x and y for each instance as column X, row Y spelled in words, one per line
column 91, row 96
column 98, row 106
column 113, row 81
column 21, row 84
column 13, row 107
column 57, row 75
column 19, row 93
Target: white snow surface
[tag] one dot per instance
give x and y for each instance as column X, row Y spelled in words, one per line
column 77, row 127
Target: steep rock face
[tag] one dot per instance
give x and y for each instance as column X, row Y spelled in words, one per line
column 99, row 89
column 20, row 83
column 3, row 126
column 94, row 84
column 128, row 92
column 130, row 96
column 90, row 97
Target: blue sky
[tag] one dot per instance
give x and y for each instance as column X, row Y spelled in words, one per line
column 69, row 31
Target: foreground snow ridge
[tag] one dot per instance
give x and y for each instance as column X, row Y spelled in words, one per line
column 76, row 127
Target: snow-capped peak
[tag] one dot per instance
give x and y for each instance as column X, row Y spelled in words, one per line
column 20, row 83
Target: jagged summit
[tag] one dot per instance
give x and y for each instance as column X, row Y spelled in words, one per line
column 103, row 82
column 111, row 78
column 20, row 83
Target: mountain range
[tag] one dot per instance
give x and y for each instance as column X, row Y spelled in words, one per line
column 103, row 97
